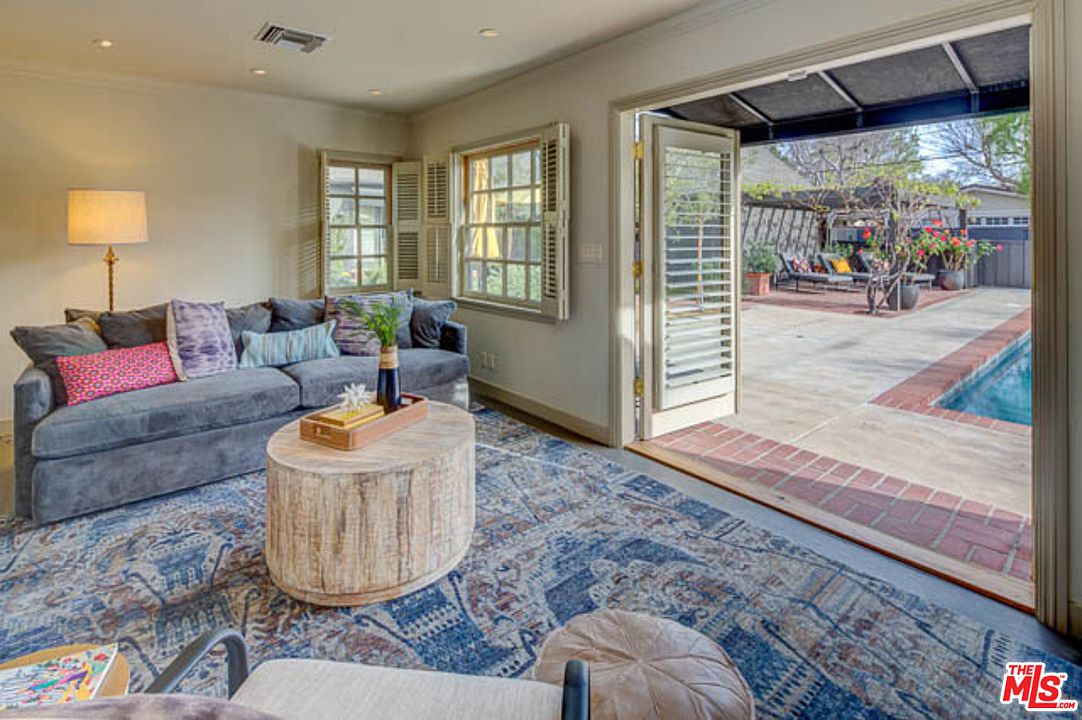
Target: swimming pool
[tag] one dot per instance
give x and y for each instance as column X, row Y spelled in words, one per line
column 1002, row 390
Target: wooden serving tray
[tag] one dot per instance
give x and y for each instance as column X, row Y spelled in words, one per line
column 414, row 408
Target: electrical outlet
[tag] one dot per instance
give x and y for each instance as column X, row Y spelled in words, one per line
column 492, row 361
column 488, row 360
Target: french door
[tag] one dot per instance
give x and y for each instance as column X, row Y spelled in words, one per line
column 689, row 282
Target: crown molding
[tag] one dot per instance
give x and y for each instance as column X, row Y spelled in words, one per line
column 672, row 27
column 141, row 83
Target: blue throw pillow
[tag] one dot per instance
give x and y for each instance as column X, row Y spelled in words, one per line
column 285, row 348
column 427, row 321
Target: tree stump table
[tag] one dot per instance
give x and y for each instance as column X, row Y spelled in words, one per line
column 356, row 527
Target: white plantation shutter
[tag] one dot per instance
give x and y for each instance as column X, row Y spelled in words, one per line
column 437, row 192
column 407, row 202
column 555, row 142
column 437, row 249
column 324, row 228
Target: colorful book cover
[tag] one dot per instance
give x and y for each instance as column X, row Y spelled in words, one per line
column 71, row 678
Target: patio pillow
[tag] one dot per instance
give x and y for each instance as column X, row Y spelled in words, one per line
column 43, row 345
column 200, row 341
column 285, row 348
column 801, row 265
column 841, row 265
column 89, row 377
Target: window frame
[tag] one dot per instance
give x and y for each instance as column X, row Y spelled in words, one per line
column 464, row 225
column 356, row 161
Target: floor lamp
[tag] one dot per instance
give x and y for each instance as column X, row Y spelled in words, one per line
column 107, row 217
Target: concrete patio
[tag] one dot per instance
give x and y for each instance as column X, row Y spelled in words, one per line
column 809, row 379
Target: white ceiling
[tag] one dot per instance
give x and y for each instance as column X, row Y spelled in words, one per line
column 418, row 52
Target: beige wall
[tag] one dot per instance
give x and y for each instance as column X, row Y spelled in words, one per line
column 231, row 182
column 566, row 366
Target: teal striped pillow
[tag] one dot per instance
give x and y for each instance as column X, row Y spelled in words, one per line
column 284, row 348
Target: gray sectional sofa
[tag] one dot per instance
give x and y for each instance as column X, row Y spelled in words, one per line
column 71, row 460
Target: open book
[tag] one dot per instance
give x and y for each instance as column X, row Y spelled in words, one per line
column 70, row 678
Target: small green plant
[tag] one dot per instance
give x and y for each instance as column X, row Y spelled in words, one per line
column 760, row 258
column 381, row 319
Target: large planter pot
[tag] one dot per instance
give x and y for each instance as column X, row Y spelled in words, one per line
column 388, row 391
column 908, row 296
column 758, row 283
column 952, row 279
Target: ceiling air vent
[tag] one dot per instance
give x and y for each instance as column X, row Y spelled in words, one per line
column 290, row 38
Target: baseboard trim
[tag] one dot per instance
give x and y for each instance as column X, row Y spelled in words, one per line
column 591, row 430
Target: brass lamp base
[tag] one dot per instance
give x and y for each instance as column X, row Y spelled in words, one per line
column 110, row 260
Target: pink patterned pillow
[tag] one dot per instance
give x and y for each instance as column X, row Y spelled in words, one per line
column 88, row 377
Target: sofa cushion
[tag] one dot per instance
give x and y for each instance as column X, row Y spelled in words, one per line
column 241, row 396
column 132, row 328
column 43, row 345
column 253, row 318
column 200, row 341
column 287, row 314
column 321, row 381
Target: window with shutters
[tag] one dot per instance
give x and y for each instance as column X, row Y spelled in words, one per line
column 502, row 229
column 508, row 223
column 357, row 226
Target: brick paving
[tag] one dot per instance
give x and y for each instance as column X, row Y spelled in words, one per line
column 992, row 538
column 920, row 392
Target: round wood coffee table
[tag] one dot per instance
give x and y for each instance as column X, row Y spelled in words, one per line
column 116, row 680
column 356, row 527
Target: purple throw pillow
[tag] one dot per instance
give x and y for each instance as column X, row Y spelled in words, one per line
column 200, row 341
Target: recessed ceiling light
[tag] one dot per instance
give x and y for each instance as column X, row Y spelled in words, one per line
column 375, row 92
column 488, row 32
column 103, row 43
column 258, row 71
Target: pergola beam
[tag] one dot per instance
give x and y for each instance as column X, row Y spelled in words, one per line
column 841, row 91
column 960, row 68
column 750, row 108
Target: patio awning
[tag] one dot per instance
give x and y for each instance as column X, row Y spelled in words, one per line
column 981, row 75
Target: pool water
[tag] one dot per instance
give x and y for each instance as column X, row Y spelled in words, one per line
column 1003, row 390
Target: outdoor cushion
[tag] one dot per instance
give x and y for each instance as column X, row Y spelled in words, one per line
column 841, row 265
column 351, row 691
column 321, row 381
column 241, row 396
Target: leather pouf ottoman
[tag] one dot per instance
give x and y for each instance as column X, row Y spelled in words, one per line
column 644, row 667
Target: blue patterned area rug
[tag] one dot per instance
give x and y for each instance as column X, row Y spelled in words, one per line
column 560, row 531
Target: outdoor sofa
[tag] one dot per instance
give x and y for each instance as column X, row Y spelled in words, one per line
column 790, row 274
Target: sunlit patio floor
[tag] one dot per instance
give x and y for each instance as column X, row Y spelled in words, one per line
column 835, row 416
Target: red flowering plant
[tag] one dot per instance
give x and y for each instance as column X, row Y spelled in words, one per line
column 955, row 251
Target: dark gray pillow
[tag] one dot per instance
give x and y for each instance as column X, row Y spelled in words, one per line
column 428, row 319
column 289, row 314
column 144, row 707
column 43, row 345
column 253, row 318
column 132, row 328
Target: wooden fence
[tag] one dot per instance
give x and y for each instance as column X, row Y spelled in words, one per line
column 790, row 231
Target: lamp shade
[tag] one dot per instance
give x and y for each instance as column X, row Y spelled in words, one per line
column 107, row 217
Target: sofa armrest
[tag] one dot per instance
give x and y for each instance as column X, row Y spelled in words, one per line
column 453, row 337
column 33, row 401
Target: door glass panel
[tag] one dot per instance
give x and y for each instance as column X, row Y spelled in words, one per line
column 694, row 279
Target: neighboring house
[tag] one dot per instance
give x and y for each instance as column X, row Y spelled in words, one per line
column 998, row 207
column 759, row 164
